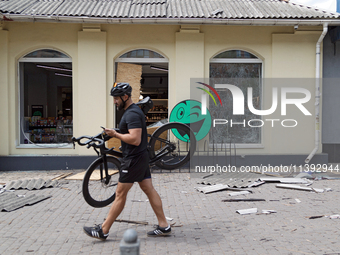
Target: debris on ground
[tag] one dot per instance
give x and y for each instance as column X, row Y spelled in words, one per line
column 233, row 180
column 285, row 180
column 268, row 211
column 243, row 200
column 315, row 217
column 297, row 187
column 247, row 211
column 10, row 202
column 133, row 221
column 256, row 184
column 217, row 187
column 334, row 216
column 238, row 193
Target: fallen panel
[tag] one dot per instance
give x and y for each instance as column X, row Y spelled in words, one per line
column 232, row 179
column 218, row 187
column 31, row 184
column 10, row 201
column 297, row 187
column 256, row 184
column 284, row 180
column 213, row 188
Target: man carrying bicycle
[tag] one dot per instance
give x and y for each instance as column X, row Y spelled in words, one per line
column 134, row 164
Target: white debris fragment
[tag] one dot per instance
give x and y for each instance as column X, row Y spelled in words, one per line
column 268, row 211
column 247, row 211
column 239, row 193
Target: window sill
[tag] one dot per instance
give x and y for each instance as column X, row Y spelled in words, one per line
column 237, row 146
column 45, row 146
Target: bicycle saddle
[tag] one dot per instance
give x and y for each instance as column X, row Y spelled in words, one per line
column 145, row 104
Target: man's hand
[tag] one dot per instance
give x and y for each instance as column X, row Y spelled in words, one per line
column 111, row 132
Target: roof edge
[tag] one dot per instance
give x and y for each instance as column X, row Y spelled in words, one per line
column 169, row 21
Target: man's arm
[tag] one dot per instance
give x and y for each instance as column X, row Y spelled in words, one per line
column 134, row 137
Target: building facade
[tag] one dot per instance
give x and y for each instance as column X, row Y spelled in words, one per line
column 55, row 78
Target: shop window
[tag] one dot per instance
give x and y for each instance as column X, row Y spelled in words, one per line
column 244, row 70
column 146, row 71
column 46, row 103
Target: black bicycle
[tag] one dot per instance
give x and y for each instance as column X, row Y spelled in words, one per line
column 170, row 146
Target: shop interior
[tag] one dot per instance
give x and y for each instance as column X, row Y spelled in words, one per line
column 46, row 102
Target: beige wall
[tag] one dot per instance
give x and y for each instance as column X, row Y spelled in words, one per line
column 285, row 53
column 4, row 95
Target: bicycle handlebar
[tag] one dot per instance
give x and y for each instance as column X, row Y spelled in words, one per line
column 91, row 142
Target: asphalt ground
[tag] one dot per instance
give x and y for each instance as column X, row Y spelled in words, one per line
column 202, row 223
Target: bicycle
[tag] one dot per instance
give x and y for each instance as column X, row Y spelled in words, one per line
column 170, row 146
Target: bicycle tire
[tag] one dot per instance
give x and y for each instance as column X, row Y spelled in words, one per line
column 185, row 143
column 95, row 191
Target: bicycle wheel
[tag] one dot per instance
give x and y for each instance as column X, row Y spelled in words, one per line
column 176, row 142
column 97, row 191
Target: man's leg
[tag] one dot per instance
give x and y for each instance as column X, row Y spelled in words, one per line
column 155, row 201
column 117, row 205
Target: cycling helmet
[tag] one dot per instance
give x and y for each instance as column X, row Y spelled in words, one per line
column 121, row 89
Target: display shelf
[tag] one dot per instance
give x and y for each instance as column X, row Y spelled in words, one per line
column 165, row 112
column 60, row 131
column 41, row 127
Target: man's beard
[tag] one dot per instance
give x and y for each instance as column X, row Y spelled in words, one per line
column 120, row 107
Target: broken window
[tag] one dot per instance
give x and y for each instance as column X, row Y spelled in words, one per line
column 244, row 70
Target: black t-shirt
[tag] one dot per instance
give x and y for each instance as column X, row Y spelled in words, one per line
column 133, row 117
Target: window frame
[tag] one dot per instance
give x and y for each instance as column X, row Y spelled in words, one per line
column 20, row 83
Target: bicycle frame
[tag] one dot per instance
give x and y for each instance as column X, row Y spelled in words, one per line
column 103, row 151
column 167, row 149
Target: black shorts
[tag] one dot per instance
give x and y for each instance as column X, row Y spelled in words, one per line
column 135, row 169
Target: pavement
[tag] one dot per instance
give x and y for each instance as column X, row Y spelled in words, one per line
column 202, row 223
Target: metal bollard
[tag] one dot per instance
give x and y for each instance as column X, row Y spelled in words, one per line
column 130, row 243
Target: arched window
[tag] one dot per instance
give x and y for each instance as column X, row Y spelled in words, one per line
column 242, row 69
column 46, row 110
column 141, row 53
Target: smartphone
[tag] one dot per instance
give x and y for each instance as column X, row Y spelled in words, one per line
column 102, row 127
